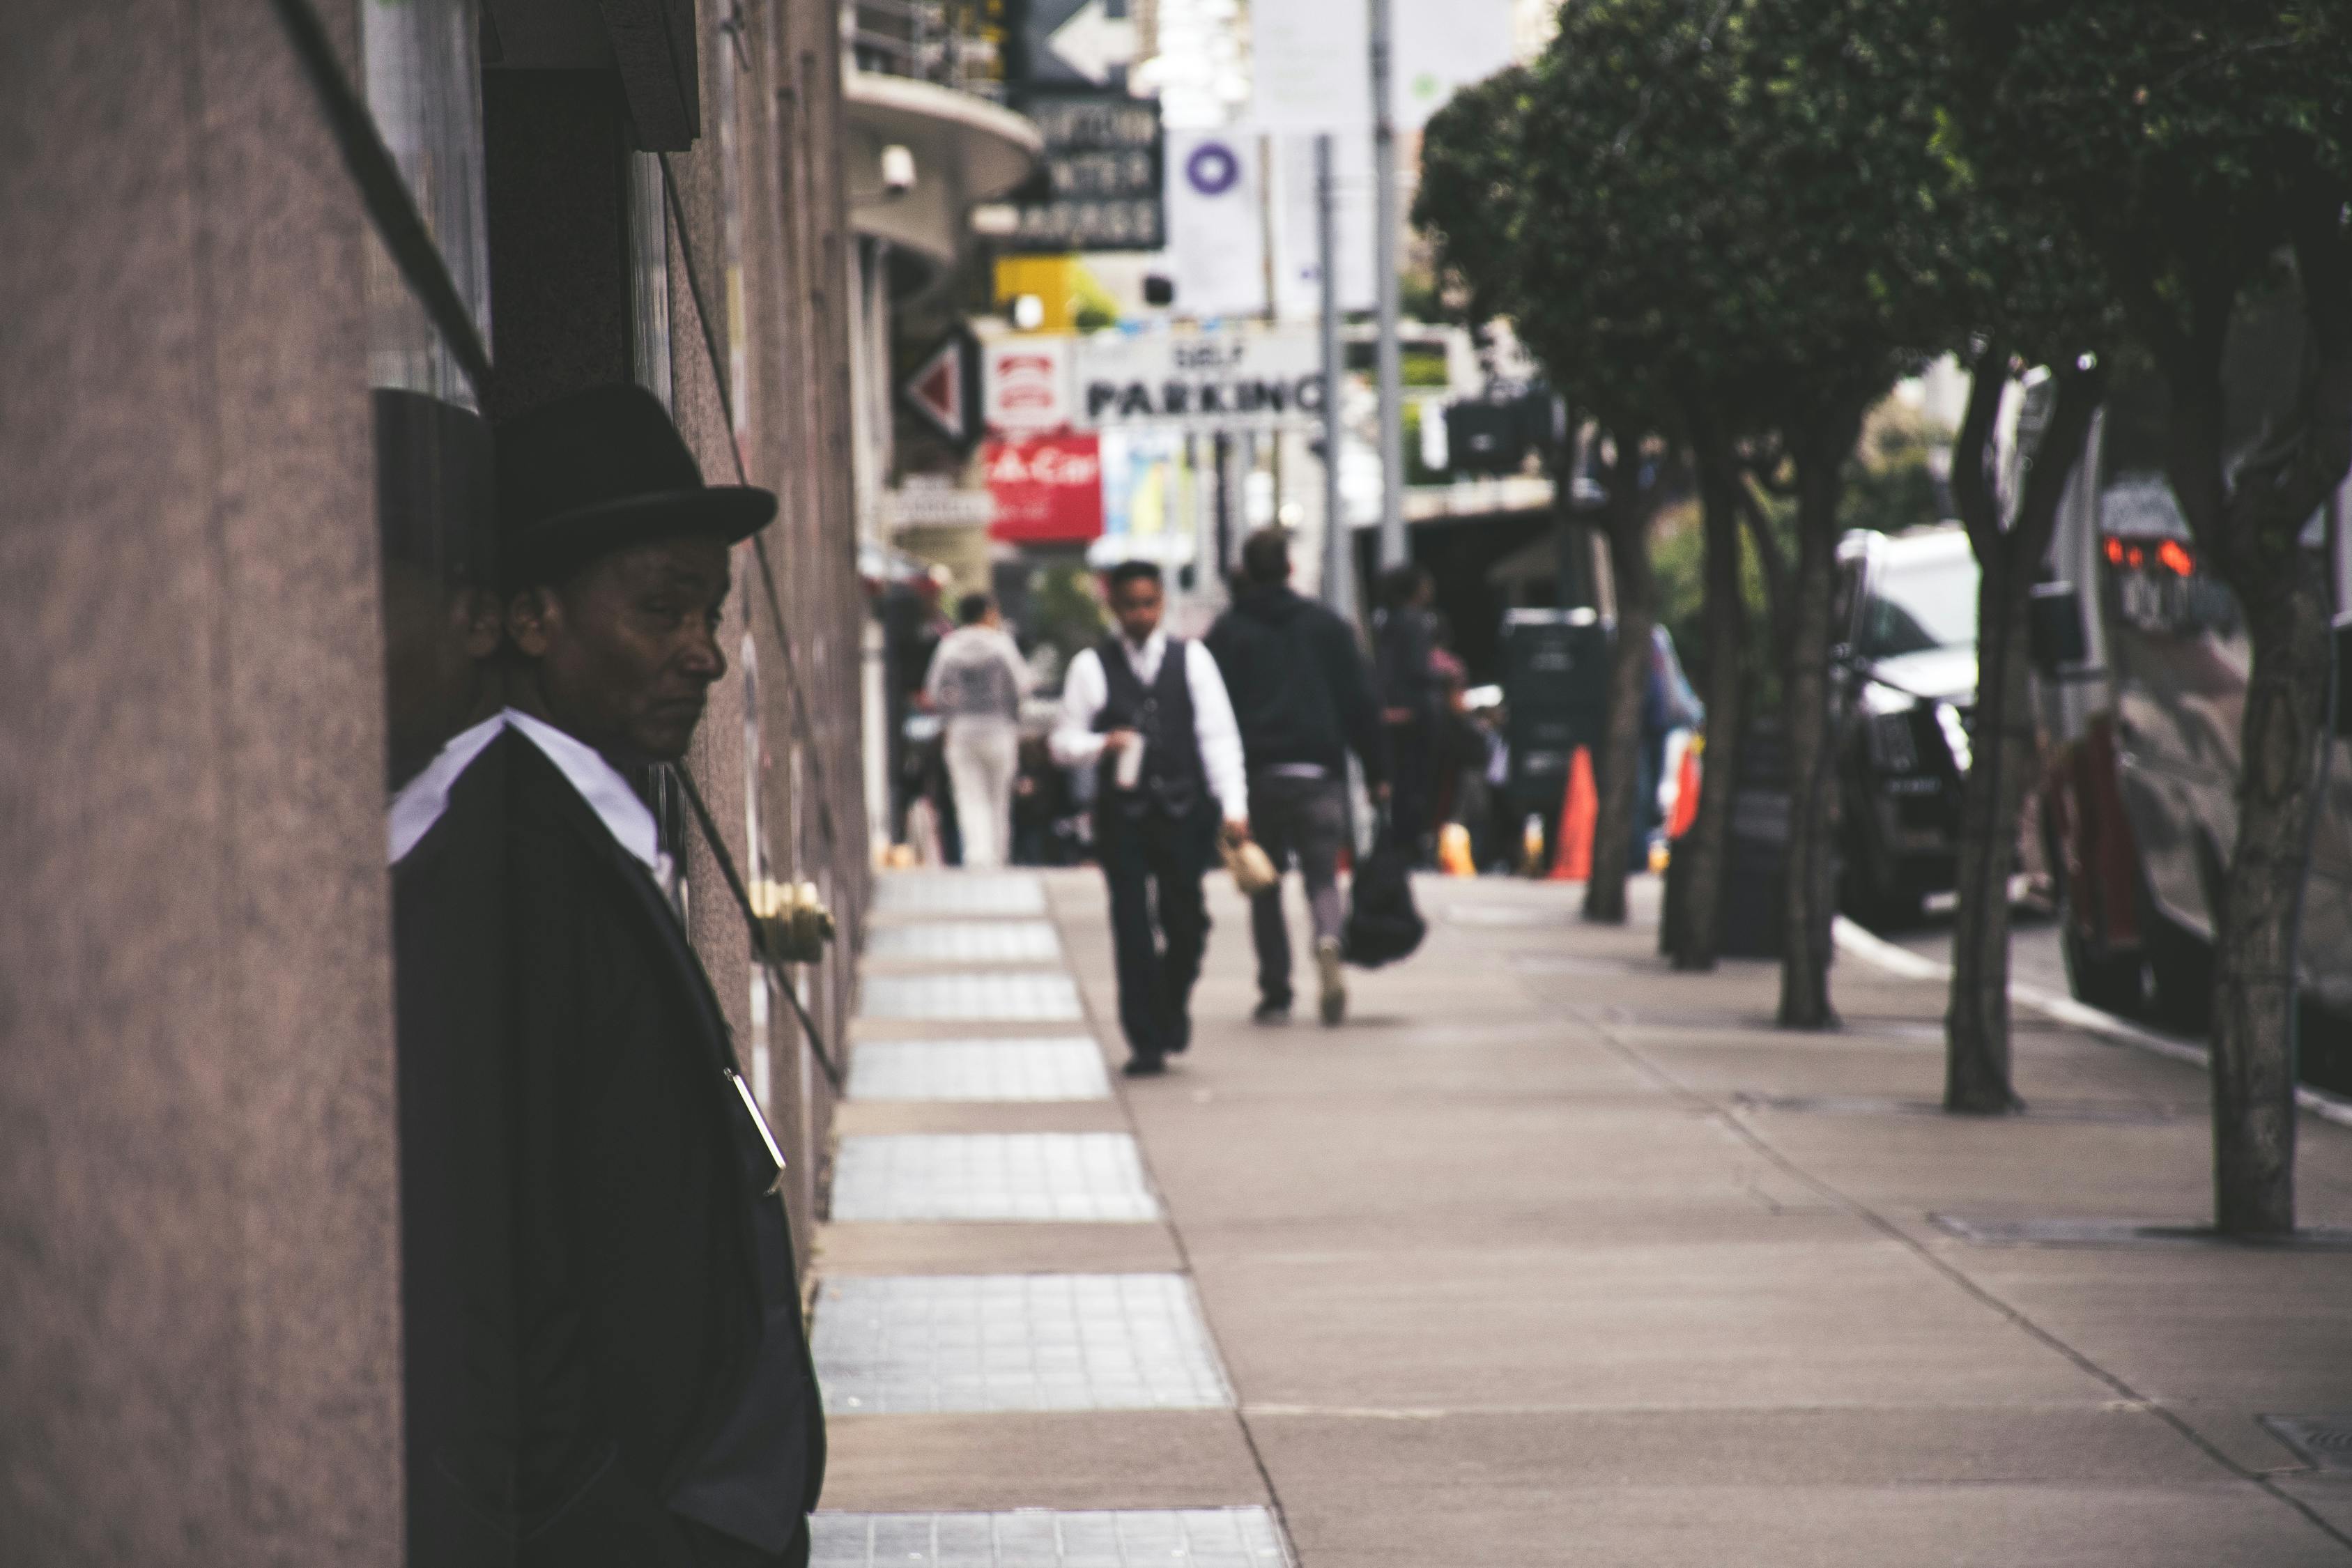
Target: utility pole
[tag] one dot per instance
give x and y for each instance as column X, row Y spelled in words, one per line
column 1394, row 549
column 1338, row 550
column 1265, row 232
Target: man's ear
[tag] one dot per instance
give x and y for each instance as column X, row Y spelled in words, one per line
column 483, row 619
column 533, row 617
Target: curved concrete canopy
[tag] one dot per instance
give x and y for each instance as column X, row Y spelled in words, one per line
column 966, row 151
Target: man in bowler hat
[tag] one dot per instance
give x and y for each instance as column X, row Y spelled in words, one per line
column 668, row 1411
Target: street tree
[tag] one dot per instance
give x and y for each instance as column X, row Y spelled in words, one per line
column 1728, row 220
column 1846, row 279
column 2023, row 298
column 1584, row 198
column 2201, row 152
column 2010, row 537
column 1479, row 196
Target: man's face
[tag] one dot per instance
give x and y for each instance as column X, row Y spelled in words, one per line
column 1136, row 603
column 627, row 650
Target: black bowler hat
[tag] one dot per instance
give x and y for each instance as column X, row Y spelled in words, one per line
column 601, row 471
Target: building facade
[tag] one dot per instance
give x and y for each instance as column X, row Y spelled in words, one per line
column 243, row 234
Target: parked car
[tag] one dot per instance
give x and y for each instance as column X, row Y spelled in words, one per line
column 2143, row 709
column 1906, row 613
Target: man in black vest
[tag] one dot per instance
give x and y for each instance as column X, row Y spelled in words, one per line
column 1151, row 713
column 668, row 1414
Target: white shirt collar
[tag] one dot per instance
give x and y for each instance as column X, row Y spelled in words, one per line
column 1144, row 658
column 600, row 784
column 421, row 801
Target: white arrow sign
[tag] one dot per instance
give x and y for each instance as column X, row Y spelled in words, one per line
column 1092, row 41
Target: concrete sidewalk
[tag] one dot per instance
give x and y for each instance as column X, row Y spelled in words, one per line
column 1548, row 1256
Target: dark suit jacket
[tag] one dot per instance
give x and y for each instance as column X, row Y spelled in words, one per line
column 637, row 1189
column 448, row 904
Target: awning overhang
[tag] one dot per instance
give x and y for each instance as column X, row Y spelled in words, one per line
column 966, row 151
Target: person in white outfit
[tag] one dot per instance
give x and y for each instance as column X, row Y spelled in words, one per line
column 977, row 680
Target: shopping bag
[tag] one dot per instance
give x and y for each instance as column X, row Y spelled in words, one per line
column 1383, row 923
column 1253, row 872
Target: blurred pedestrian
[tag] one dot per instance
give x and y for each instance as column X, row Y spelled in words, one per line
column 1150, row 714
column 1412, row 702
column 668, row 1411
column 912, row 628
column 976, row 683
column 1303, row 699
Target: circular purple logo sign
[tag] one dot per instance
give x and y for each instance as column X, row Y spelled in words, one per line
column 1212, row 168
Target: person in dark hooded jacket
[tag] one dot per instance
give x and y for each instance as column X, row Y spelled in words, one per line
column 1303, row 697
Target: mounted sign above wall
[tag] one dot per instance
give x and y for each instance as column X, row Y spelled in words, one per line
column 1024, row 382
column 1233, row 378
column 945, row 389
column 1046, row 490
column 1101, row 179
column 1229, row 379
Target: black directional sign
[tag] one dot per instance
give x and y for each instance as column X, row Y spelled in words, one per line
column 1100, row 187
column 1072, row 44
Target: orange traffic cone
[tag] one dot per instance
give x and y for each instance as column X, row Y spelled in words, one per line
column 1686, row 788
column 1578, row 811
column 1454, row 851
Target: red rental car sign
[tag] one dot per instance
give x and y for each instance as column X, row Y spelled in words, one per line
column 1047, row 489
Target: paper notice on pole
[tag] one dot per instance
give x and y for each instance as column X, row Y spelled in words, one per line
column 1216, row 222
column 1299, row 287
column 1310, row 65
column 1442, row 47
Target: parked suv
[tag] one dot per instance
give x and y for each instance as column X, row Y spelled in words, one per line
column 1906, row 613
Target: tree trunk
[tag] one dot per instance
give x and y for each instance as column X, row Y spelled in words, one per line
column 1620, row 761
column 1976, row 1024
column 2262, row 900
column 1705, row 848
column 1812, row 772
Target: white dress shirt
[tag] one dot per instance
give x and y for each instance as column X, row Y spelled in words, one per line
column 1085, row 690
column 421, row 801
column 608, row 794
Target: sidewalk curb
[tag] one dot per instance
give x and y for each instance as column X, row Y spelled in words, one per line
column 1877, row 951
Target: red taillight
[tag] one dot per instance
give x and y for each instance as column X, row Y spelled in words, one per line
column 2173, row 555
column 2115, row 551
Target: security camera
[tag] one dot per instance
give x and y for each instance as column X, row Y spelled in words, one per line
column 898, row 170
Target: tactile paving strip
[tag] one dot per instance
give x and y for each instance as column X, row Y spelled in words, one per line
column 992, row 1176
column 893, row 1344
column 1026, row 996
column 966, row 941
column 1041, row 1538
column 1064, row 1067
column 959, row 893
